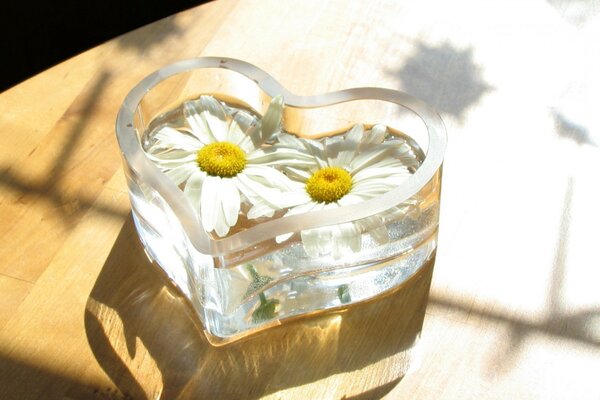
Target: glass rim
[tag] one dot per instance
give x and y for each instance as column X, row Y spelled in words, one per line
column 140, row 164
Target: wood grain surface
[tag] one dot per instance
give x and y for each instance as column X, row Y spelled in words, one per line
column 514, row 306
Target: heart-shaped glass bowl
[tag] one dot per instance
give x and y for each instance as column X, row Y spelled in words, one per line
column 281, row 266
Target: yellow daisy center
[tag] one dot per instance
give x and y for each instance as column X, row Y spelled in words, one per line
column 329, row 184
column 222, row 159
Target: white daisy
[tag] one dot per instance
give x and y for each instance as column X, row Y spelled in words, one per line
column 341, row 171
column 219, row 160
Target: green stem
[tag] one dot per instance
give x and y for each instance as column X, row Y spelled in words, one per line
column 253, row 272
column 263, row 298
column 267, row 308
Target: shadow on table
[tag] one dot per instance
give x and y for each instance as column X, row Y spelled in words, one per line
column 144, row 336
column 26, row 380
column 445, row 76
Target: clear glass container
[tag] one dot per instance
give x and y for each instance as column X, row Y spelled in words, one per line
column 249, row 280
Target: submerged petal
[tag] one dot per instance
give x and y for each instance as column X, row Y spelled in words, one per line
column 209, row 203
column 193, row 188
column 302, row 208
column 221, row 226
column 380, row 235
column 261, row 209
column 346, row 236
column 316, row 241
column 230, row 197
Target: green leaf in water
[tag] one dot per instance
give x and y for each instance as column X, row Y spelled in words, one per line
column 266, row 310
column 268, row 307
column 343, row 292
column 258, row 281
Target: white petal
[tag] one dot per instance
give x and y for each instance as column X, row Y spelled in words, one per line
column 169, row 138
column 234, row 133
column 199, row 128
column 306, row 148
column 230, row 198
column 380, row 235
column 369, row 189
column 244, row 120
column 371, row 173
column 256, row 191
column 298, row 174
column 209, row 203
column 250, row 129
column 193, row 188
column 346, row 236
column 308, row 206
column 272, row 119
column 351, row 143
column 181, row 173
column 261, row 209
column 344, row 151
column 343, row 159
column 316, row 241
column 247, row 191
column 332, row 147
column 253, row 140
column 214, row 115
column 375, row 226
column 401, row 210
column 275, row 178
column 290, row 141
column 247, row 145
column 293, row 199
column 367, row 158
column 284, row 237
column 317, row 151
column 162, row 155
column 355, row 134
column 376, row 135
column 167, row 162
column 303, row 208
column 350, row 199
column 221, row 226
column 391, row 161
column 281, row 156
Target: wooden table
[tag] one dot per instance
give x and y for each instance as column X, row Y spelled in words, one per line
column 514, row 307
